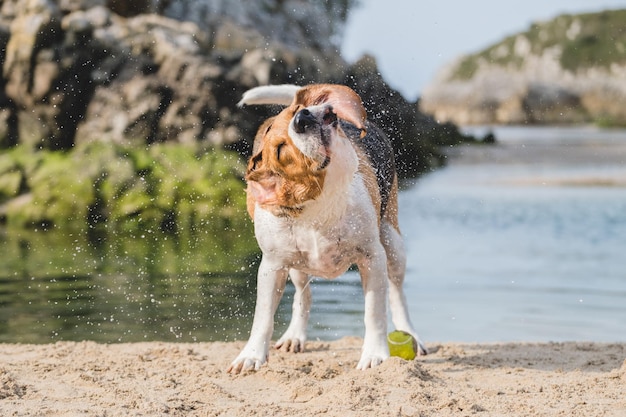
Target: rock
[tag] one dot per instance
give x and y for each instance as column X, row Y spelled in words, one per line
column 545, row 103
column 84, row 70
column 31, row 32
column 292, row 23
column 229, row 36
column 79, row 71
column 69, row 6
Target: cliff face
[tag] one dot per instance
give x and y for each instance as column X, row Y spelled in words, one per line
column 568, row 70
column 97, row 97
column 83, row 70
column 151, row 71
column 295, row 24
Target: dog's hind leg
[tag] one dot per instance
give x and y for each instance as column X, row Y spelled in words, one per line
column 396, row 265
column 293, row 339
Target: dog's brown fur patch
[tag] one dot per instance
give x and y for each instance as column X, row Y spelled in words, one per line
column 369, row 178
column 391, row 212
column 280, row 177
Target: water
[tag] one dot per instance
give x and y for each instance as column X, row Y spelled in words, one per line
column 520, row 241
column 63, row 286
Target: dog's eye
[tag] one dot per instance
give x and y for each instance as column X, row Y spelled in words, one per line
column 279, row 149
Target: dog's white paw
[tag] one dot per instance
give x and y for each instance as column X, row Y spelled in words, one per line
column 370, row 361
column 246, row 362
column 243, row 365
column 372, row 357
column 288, row 344
column 292, row 340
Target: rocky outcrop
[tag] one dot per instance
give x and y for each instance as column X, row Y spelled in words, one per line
column 293, row 23
column 78, row 71
column 569, row 70
column 117, row 86
column 152, row 71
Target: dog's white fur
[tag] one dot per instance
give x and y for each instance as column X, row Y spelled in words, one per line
column 339, row 228
column 276, row 94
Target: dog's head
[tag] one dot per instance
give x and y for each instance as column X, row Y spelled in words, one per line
column 293, row 151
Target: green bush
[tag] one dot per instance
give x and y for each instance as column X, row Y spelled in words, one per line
column 170, row 187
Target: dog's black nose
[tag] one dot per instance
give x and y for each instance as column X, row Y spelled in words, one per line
column 303, row 119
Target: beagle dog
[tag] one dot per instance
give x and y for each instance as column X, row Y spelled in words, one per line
column 322, row 192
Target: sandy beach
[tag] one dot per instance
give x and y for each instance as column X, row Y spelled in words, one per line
column 169, row 379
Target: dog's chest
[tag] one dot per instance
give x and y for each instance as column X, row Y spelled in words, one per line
column 325, row 252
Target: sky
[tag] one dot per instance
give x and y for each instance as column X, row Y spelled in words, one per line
column 412, row 39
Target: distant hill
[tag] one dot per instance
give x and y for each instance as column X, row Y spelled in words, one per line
column 571, row 69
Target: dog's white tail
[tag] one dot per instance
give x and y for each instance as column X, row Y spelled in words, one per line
column 270, row 94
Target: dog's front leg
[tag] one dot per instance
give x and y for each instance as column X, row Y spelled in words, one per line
column 374, row 279
column 270, row 287
column 294, row 337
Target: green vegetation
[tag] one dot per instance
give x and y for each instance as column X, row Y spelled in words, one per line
column 585, row 40
column 162, row 187
column 601, row 42
column 502, row 54
column 466, row 69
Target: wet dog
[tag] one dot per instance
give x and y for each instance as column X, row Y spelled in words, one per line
column 322, row 191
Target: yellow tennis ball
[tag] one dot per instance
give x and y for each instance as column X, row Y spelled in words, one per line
column 402, row 344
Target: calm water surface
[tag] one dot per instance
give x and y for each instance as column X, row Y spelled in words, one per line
column 525, row 240
column 522, row 241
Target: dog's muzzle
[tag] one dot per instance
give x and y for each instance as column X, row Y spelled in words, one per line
column 317, row 122
column 305, row 119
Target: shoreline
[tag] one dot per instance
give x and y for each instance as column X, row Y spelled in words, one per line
column 188, row 379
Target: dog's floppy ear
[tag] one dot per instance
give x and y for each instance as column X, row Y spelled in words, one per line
column 346, row 103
